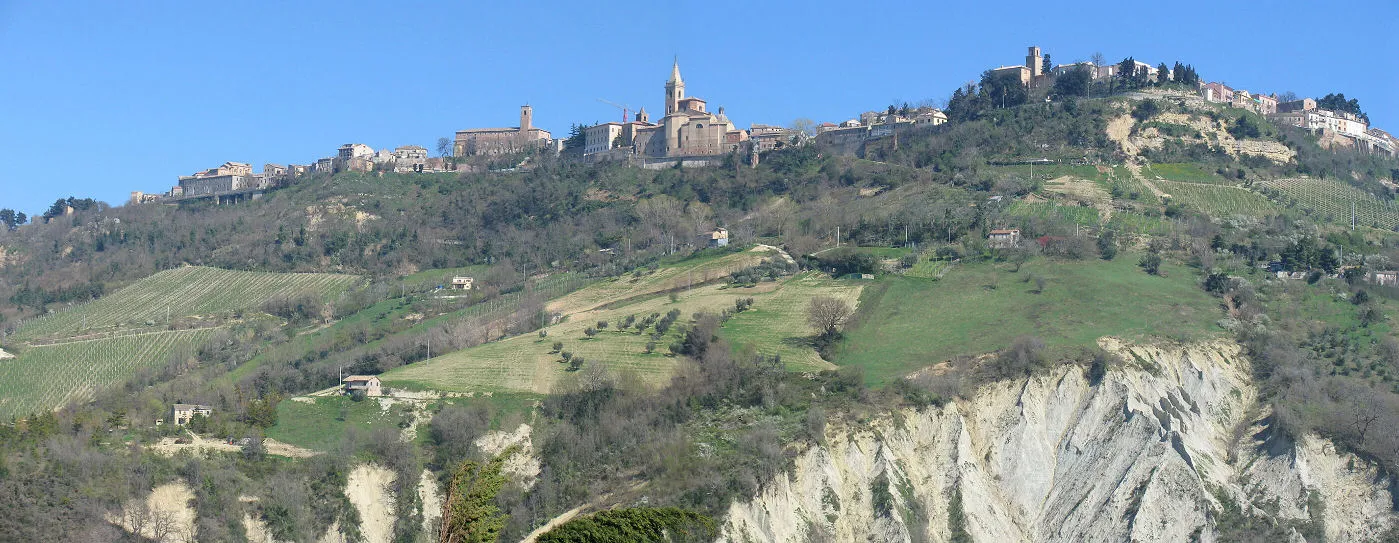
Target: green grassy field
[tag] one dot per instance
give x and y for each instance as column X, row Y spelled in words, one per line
column 390, row 314
column 182, row 292
column 927, row 268
column 1185, row 172
column 42, row 378
column 316, row 424
column 1138, row 224
column 320, row 423
column 441, row 276
column 777, row 323
column 677, row 275
column 1051, row 171
column 1086, row 216
column 910, row 323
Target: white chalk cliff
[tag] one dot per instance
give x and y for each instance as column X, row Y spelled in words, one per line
column 1148, row 454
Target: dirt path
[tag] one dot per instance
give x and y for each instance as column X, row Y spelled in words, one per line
column 1120, row 130
column 432, row 502
column 168, row 447
column 553, row 523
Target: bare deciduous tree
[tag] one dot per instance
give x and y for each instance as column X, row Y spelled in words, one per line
column 827, row 314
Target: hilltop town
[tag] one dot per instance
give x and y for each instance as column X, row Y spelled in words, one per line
column 690, row 135
column 1075, row 302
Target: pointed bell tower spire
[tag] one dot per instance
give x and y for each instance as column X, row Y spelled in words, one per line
column 674, row 88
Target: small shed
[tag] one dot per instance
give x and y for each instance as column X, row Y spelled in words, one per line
column 182, row 413
column 462, row 283
column 368, row 384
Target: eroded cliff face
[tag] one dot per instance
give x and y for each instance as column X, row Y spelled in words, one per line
column 1148, row 454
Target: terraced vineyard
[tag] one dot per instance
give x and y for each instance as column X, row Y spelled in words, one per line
column 187, row 291
column 1332, row 201
column 1219, row 200
column 42, row 378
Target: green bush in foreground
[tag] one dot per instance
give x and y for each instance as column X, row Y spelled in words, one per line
column 635, row 524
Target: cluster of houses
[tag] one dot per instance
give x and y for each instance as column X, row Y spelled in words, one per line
column 1334, row 127
column 689, row 134
column 234, row 181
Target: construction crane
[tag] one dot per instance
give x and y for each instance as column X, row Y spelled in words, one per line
column 626, row 109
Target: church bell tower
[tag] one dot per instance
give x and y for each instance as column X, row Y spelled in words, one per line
column 674, row 89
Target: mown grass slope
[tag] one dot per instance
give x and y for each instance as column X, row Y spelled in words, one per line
column 909, row 323
column 529, row 363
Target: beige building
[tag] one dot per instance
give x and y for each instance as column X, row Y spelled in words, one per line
column 182, row 413
column 1020, row 72
column 230, row 177
column 768, row 137
column 462, row 283
column 688, row 127
column 601, row 138
column 498, row 141
column 368, row 384
column 932, row 117
column 1003, row 237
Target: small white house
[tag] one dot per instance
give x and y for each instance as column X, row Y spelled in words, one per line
column 462, row 283
column 182, row 413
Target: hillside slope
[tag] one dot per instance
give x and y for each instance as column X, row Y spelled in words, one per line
column 1147, row 455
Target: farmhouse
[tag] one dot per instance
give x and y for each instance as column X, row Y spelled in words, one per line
column 1384, row 278
column 182, row 413
column 1004, row 237
column 462, row 283
column 368, row 384
column 718, row 238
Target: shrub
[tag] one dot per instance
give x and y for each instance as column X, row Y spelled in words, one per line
column 1145, row 109
column 590, row 331
column 1151, row 263
column 558, row 346
column 1021, row 358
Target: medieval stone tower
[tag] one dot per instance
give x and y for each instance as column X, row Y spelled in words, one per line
column 674, row 89
column 526, row 118
column 1034, row 62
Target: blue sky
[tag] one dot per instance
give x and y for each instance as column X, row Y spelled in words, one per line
column 103, row 98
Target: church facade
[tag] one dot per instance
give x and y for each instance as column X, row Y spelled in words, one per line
column 688, row 128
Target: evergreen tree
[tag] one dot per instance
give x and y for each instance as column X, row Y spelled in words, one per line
column 470, row 514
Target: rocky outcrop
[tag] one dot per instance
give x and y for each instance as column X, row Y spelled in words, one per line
column 1148, row 454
